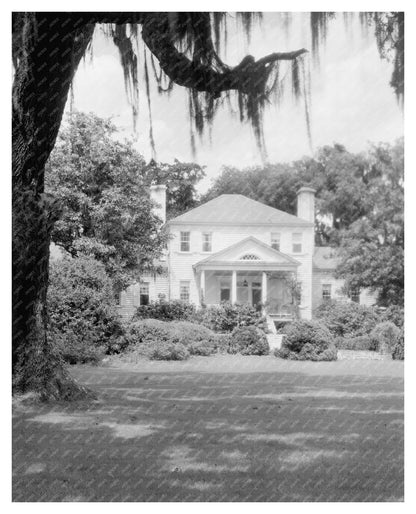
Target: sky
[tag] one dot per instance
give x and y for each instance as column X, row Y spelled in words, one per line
column 351, row 100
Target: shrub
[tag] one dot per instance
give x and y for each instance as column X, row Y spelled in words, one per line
column 398, row 350
column 146, row 331
column 166, row 311
column 385, row 336
column 188, row 333
column 395, row 314
column 248, row 341
column 226, row 317
column 169, row 352
column 307, row 340
column 202, row 349
column 222, row 343
column 153, row 334
column 347, row 319
column 74, row 350
column 83, row 320
column 355, row 343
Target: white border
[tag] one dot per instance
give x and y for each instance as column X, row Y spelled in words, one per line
column 260, row 5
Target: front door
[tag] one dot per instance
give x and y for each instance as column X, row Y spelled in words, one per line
column 256, row 297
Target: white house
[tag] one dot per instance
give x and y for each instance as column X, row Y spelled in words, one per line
column 236, row 249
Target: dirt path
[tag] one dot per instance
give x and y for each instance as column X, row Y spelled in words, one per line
column 218, row 429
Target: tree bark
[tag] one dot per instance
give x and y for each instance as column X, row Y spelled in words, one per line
column 46, row 61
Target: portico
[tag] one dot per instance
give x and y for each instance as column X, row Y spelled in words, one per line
column 249, row 272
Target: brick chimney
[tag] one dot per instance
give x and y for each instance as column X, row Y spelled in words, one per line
column 306, row 204
column 158, row 196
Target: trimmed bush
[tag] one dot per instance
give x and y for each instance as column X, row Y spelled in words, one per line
column 359, row 343
column 222, row 343
column 188, row 333
column 385, row 336
column 148, row 336
column 248, row 341
column 398, row 350
column 347, row 319
column 145, row 331
column 166, row 311
column 226, row 317
column 83, row 320
column 169, row 352
column 307, row 340
column 202, row 349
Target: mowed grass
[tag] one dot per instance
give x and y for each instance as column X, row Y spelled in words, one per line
column 224, row 428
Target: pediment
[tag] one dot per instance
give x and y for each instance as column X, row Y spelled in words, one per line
column 249, row 251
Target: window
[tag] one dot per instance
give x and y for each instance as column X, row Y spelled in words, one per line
column 326, row 292
column 249, row 257
column 225, row 291
column 297, row 242
column 184, row 291
column 275, row 240
column 355, row 295
column 144, row 293
column 185, row 241
column 207, row 242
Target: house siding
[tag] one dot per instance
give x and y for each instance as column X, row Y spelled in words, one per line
column 321, row 277
column 181, row 263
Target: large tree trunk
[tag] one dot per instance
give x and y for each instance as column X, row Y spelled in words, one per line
column 47, row 58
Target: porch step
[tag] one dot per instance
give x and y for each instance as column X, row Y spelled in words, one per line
column 275, row 341
column 270, row 325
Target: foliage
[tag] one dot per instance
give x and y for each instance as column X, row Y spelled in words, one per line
column 154, row 333
column 372, row 249
column 202, row 349
column 347, row 319
column 357, row 343
column 385, row 336
column 308, row 352
column 180, row 179
column 188, row 333
column 398, row 349
column 307, row 340
column 395, row 314
column 106, row 207
column 226, row 316
column 166, row 311
column 248, row 340
column 222, row 343
column 83, row 320
column 169, row 352
column 343, row 181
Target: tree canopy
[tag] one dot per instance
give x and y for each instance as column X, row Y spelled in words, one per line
column 340, row 178
column 102, row 186
column 372, row 247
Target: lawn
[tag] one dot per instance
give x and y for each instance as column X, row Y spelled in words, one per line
column 225, row 428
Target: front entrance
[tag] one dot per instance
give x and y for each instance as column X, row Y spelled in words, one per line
column 256, row 295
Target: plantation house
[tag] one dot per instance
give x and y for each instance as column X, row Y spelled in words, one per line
column 236, row 249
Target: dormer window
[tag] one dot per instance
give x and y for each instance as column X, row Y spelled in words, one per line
column 249, row 257
column 185, row 241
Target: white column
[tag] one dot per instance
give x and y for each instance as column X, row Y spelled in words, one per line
column 263, row 288
column 202, row 287
column 234, row 287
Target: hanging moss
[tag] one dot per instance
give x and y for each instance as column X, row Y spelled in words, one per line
column 200, row 36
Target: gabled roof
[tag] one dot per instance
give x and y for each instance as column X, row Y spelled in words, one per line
column 237, row 210
column 325, row 258
column 267, row 257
